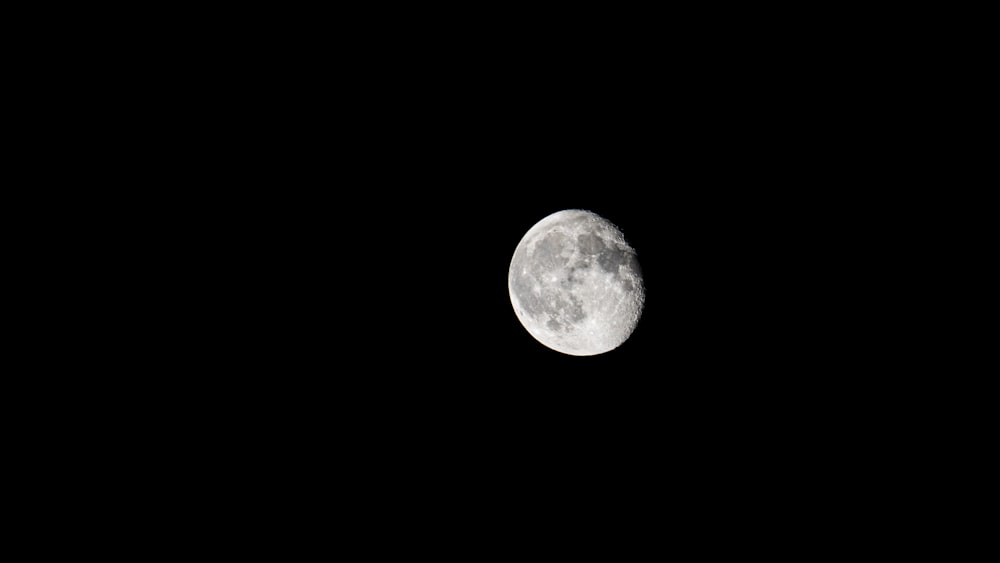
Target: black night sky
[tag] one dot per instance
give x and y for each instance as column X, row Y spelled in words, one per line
column 371, row 246
column 349, row 232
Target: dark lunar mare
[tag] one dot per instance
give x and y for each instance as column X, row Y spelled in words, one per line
column 590, row 244
column 611, row 259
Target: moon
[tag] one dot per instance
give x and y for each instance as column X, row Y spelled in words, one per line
column 575, row 283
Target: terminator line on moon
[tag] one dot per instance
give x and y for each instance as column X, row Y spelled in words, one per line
column 575, row 283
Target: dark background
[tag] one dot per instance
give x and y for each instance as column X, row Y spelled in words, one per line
column 368, row 294
column 377, row 202
column 271, row 300
column 337, row 212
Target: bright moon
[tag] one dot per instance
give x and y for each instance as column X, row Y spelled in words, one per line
column 575, row 283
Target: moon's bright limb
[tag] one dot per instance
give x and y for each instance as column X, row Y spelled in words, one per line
column 575, row 283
